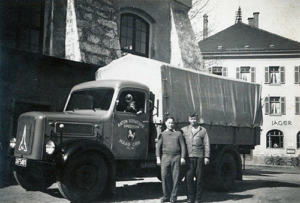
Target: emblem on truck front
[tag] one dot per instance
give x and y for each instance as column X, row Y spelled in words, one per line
column 23, row 145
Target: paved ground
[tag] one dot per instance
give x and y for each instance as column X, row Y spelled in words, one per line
column 261, row 184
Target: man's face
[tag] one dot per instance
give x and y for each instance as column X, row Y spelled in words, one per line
column 132, row 105
column 170, row 124
column 193, row 121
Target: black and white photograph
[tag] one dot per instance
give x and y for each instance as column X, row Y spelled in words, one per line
column 133, row 101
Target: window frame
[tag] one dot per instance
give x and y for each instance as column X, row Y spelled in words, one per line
column 133, row 35
column 297, row 105
column 136, row 93
column 297, row 75
column 298, row 140
column 251, row 72
column 278, row 134
column 223, row 71
column 282, row 105
column 281, row 75
column 25, row 29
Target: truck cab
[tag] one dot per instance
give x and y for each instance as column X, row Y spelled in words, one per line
column 123, row 112
column 102, row 122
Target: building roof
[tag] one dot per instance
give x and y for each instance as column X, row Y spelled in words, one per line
column 241, row 37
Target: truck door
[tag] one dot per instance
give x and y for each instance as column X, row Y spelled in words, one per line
column 131, row 125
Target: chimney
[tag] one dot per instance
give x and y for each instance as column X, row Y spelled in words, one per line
column 250, row 22
column 255, row 21
column 205, row 26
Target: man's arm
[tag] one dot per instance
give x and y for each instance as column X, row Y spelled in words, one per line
column 183, row 149
column 206, row 145
column 158, row 150
column 206, row 148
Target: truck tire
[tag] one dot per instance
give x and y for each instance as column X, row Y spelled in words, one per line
column 225, row 175
column 32, row 183
column 84, row 177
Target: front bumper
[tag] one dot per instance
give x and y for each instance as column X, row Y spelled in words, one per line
column 38, row 168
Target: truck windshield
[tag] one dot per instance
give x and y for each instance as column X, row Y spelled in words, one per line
column 90, row 99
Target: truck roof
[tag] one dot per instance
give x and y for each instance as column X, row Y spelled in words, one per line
column 110, row 83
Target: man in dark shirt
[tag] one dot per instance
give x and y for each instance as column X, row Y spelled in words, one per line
column 170, row 154
column 198, row 147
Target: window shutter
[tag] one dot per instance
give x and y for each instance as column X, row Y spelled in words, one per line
column 297, row 74
column 238, row 75
column 210, row 70
column 267, row 105
column 253, row 74
column 267, row 75
column 224, row 71
column 282, row 75
column 282, row 103
column 297, row 105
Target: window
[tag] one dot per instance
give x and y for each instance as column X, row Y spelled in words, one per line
column 274, row 139
column 297, row 75
column 298, row 140
column 275, row 105
column 297, row 105
column 131, row 101
column 217, row 70
column 274, row 75
column 22, row 27
column 90, row 99
column 134, row 35
column 246, row 73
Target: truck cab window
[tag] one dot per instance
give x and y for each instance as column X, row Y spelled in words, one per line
column 91, row 99
column 131, row 102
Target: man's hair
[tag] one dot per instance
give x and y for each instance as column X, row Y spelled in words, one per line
column 170, row 117
column 193, row 114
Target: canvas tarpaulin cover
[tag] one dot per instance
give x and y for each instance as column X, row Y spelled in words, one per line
column 218, row 101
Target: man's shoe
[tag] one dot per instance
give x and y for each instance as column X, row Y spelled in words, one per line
column 197, row 201
column 173, row 200
column 164, row 199
column 190, row 201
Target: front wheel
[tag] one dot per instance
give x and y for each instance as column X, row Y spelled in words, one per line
column 32, row 183
column 84, row 177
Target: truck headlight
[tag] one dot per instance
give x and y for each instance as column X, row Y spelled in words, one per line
column 12, row 142
column 50, row 147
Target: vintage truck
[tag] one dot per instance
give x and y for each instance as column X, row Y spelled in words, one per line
column 96, row 137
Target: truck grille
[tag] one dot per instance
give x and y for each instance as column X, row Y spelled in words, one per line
column 75, row 129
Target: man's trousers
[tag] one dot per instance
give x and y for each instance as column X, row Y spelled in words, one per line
column 170, row 168
column 195, row 169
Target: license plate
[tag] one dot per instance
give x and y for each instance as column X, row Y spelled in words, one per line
column 21, row 162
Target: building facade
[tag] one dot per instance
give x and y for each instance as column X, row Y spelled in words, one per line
column 248, row 53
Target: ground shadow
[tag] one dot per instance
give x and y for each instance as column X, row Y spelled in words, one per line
column 153, row 190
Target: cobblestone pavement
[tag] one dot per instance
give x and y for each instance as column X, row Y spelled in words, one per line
column 261, row 184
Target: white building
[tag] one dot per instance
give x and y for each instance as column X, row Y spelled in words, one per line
column 247, row 52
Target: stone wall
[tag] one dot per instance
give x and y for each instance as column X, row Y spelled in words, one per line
column 189, row 48
column 97, row 29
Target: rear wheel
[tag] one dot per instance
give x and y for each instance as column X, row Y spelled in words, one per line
column 84, row 177
column 32, row 183
column 224, row 178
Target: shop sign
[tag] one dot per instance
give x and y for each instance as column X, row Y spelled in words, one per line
column 282, row 123
column 290, row 151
